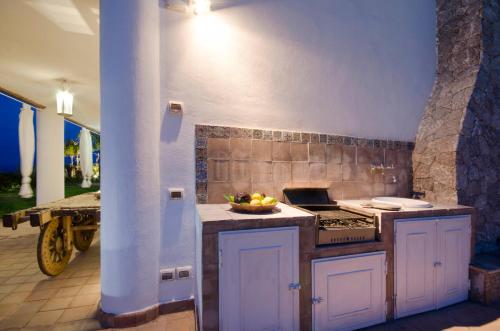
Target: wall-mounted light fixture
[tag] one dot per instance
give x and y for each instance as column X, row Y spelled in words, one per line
column 200, row 6
column 64, row 101
column 196, row 7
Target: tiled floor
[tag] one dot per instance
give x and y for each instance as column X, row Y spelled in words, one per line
column 460, row 317
column 29, row 300
column 33, row 302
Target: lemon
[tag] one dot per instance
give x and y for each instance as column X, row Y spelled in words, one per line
column 256, row 202
column 257, row 196
column 268, row 201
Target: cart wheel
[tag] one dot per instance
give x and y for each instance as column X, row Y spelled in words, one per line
column 83, row 239
column 53, row 254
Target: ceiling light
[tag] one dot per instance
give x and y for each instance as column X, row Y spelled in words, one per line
column 201, row 6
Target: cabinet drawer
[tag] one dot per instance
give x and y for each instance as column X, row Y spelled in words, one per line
column 349, row 291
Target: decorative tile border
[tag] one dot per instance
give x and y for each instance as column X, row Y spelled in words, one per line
column 203, row 132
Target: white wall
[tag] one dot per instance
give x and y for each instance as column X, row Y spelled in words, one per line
column 49, row 156
column 351, row 67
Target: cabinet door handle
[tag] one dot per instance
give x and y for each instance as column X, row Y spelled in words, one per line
column 294, row 286
column 316, row 300
column 437, row 264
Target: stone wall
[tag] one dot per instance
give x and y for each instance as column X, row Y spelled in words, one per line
column 457, row 152
column 232, row 160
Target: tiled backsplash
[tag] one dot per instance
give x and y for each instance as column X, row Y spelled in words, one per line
column 232, row 160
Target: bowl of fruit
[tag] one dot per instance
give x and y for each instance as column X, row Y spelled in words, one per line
column 251, row 203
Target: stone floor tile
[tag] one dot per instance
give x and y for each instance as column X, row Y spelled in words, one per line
column 68, row 291
column 15, row 297
column 179, row 315
column 85, row 300
column 75, row 314
column 56, row 303
column 93, row 280
column 90, row 289
column 50, row 284
column 86, row 272
column 75, row 281
column 45, row 318
column 8, row 273
column 31, row 306
column 26, row 287
column 17, row 280
column 7, row 288
column 182, row 324
column 90, row 325
column 38, row 277
column 21, row 265
column 17, row 320
column 42, row 294
column 7, row 309
column 82, row 325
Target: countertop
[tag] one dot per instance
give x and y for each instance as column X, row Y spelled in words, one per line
column 436, row 209
column 223, row 212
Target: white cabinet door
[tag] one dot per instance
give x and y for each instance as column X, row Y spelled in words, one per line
column 255, row 271
column 415, row 253
column 453, row 256
column 432, row 263
column 349, row 291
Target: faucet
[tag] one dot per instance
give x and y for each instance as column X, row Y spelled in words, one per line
column 381, row 168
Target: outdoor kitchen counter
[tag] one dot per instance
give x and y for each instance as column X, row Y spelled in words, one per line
column 211, row 219
column 217, row 217
column 435, row 210
column 387, row 215
column 386, row 221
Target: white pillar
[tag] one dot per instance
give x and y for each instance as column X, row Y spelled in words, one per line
column 130, row 136
column 49, row 156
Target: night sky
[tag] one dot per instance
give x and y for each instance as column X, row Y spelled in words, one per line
column 9, row 143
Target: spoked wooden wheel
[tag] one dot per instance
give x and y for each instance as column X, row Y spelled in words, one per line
column 53, row 252
column 83, row 239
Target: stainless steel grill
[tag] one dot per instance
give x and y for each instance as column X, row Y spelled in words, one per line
column 334, row 224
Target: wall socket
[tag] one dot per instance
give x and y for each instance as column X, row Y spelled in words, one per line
column 167, row 274
column 175, row 193
column 185, row 272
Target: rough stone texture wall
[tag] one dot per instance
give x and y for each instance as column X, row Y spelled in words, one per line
column 457, row 152
column 485, row 285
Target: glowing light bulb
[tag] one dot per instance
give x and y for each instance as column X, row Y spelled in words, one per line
column 201, row 6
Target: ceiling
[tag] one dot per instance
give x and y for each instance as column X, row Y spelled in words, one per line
column 46, row 41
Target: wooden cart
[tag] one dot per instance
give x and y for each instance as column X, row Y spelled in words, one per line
column 63, row 224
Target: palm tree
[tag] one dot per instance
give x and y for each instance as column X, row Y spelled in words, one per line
column 71, row 149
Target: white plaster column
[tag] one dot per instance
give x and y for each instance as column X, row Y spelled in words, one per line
column 49, row 156
column 130, row 135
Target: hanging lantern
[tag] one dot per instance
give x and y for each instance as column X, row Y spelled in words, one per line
column 64, row 102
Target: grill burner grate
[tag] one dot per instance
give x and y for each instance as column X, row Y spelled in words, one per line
column 342, row 219
column 334, row 224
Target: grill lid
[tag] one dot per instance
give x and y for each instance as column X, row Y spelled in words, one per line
column 306, row 196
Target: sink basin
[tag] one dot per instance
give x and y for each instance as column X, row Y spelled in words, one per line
column 403, row 202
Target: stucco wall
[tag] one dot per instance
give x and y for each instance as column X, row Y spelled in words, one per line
column 357, row 68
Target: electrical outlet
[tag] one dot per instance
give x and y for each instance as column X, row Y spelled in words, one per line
column 185, row 272
column 175, row 106
column 176, row 193
column 167, row 274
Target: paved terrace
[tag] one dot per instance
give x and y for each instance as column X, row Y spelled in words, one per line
column 29, row 300
column 32, row 301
